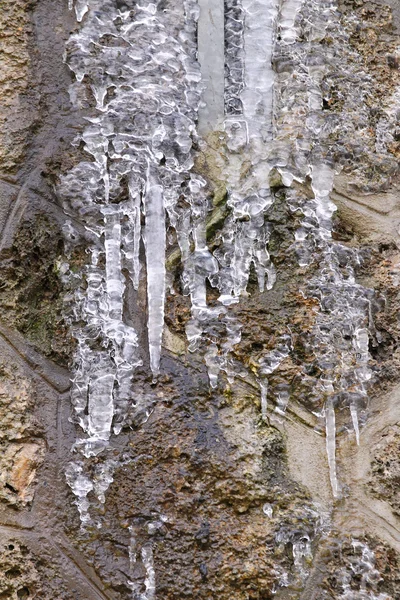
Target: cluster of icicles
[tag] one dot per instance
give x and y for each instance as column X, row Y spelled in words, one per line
column 360, row 580
column 139, row 62
column 144, row 80
column 302, row 148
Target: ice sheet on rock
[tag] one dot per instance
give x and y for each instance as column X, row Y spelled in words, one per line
column 287, row 19
column 248, row 127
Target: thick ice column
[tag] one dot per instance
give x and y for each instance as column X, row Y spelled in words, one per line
column 211, row 53
column 114, row 278
column 259, row 76
column 154, row 238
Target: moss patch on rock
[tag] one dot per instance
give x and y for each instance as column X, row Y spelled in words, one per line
column 31, row 292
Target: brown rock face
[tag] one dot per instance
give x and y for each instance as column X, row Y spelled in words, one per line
column 204, row 494
column 19, row 97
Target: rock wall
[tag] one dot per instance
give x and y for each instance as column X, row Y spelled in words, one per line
column 254, row 487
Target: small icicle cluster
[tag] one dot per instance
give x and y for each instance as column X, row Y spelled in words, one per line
column 296, row 538
column 302, row 148
column 362, row 574
column 135, row 67
column 243, row 242
column 248, row 131
column 142, row 556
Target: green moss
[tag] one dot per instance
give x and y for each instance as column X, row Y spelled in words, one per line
column 31, row 295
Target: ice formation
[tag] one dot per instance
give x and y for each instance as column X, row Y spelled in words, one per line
column 138, row 79
column 138, row 140
column 362, row 574
column 248, row 127
column 302, row 149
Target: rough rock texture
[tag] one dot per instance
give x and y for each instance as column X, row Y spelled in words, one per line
column 385, row 468
column 227, row 504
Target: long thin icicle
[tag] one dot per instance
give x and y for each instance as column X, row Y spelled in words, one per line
column 154, row 238
column 330, row 424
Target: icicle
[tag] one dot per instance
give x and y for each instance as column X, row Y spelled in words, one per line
column 155, row 240
column 114, row 278
column 354, row 418
column 81, row 486
column 268, row 364
column 268, row 510
column 101, row 408
column 132, row 561
column 81, row 8
column 264, row 392
column 150, row 581
column 103, row 478
column 289, row 12
column 330, row 424
column 213, row 365
column 132, row 241
column 282, row 401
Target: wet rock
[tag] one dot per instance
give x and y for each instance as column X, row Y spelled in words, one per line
column 25, row 575
column 202, row 490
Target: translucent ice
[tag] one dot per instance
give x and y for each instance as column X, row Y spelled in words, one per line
column 81, row 486
column 330, row 424
column 154, row 238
